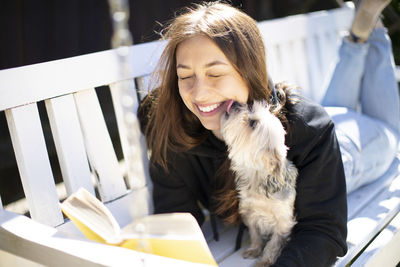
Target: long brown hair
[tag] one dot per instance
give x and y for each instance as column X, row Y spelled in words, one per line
column 170, row 125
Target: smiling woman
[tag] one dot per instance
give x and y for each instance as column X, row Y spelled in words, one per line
column 214, row 57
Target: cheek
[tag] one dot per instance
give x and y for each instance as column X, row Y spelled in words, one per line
column 243, row 94
column 236, row 89
column 242, row 90
column 185, row 95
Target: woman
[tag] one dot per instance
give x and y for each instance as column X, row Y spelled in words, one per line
column 215, row 54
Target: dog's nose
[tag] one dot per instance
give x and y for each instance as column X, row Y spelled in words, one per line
column 232, row 106
column 235, row 106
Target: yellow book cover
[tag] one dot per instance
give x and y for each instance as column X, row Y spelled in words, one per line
column 173, row 235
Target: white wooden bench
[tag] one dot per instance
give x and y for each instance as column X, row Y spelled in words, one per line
column 87, row 157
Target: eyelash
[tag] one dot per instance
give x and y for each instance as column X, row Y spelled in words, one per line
column 212, row 76
column 184, row 78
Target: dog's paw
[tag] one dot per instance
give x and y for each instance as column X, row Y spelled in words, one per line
column 251, row 253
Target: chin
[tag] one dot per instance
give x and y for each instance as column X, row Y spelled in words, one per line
column 211, row 126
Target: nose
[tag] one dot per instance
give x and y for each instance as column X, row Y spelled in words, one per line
column 201, row 92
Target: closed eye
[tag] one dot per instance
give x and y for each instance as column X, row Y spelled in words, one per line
column 184, row 78
column 215, row 75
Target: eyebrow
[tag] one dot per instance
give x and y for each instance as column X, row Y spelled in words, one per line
column 208, row 65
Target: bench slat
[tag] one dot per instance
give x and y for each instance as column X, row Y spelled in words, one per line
column 287, row 56
column 299, row 61
column 273, row 67
column 327, row 45
column 384, row 250
column 133, row 144
column 69, row 143
column 322, row 65
column 99, row 147
column 314, row 70
column 33, row 164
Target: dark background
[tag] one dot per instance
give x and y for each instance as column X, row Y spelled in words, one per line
column 43, row 30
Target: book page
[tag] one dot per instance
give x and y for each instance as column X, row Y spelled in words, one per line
column 175, row 235
column 89, row 214
column 175, row 225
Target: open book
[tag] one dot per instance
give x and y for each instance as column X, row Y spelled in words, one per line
column 174, row 235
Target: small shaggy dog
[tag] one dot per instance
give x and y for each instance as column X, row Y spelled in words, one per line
column 264, row 178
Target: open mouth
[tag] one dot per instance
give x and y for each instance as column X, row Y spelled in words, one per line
column 209, row 110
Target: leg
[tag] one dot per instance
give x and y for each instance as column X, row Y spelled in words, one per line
column 368, row 146
column 345, row 83
column 380, row 93
column 272, row 250
column 344, row 86
column 256, row 244
column 369, row 141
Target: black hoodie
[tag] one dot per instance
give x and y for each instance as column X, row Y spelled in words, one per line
column 320, row 207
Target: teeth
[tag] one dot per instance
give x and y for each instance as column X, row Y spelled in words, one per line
column 209, row 108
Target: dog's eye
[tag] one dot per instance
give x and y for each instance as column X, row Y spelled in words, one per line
column 253, row 123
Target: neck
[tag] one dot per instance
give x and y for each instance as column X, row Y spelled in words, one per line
column 218, row 134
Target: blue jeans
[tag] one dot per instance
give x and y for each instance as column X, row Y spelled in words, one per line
column 363, row 100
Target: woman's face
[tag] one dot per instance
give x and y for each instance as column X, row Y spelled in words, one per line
column 207, row 81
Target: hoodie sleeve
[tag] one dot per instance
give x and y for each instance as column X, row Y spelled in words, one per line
column 319, row 236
